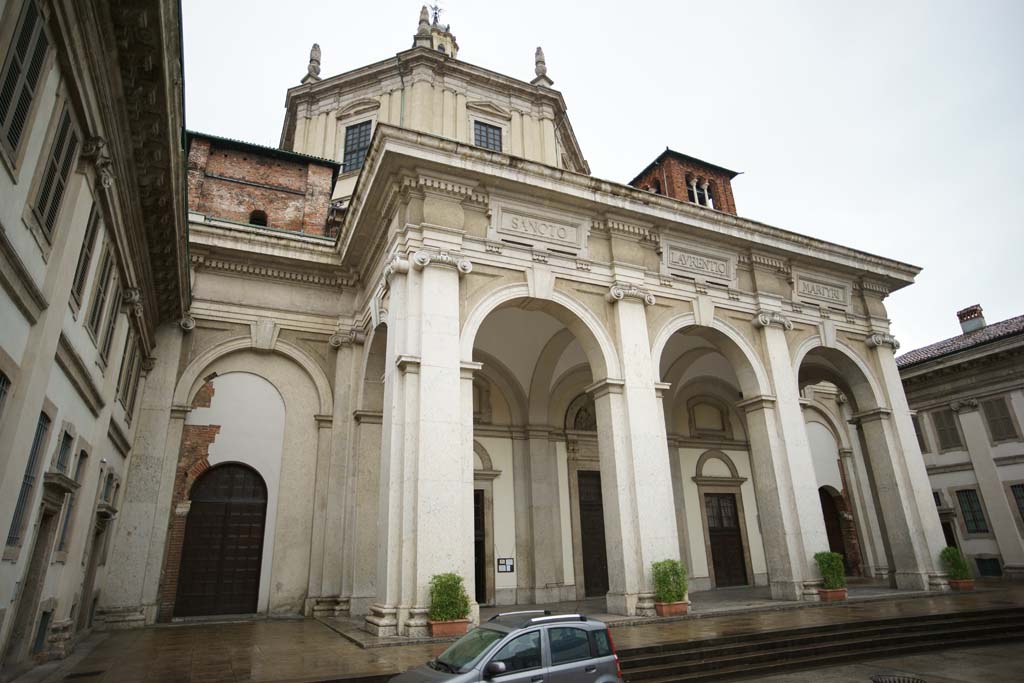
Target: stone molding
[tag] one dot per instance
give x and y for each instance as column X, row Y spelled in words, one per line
column 408, row 363
column 769, row 318
column 621, row 290
column 444, row 186
column 187, row 323
column 605, row 386
column 421, row 259
column 871, row 415
column 301, row 276
column 762, row 402
column 375, row 417
column 964, row 405
column 882, row 339
column 766, row 261
column 78, row 374
column 117, row 437
column 18, row 282
column 96, row 151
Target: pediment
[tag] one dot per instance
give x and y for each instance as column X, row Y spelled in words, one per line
column 489, row 108
column 360, row 106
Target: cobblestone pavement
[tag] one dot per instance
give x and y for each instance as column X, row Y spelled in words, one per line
column 307, row 650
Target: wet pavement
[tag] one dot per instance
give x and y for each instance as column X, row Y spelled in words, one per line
column 308, row 650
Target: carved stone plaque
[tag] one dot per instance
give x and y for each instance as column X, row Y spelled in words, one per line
column 699, row 262
column 822, row 290
column 539, row 228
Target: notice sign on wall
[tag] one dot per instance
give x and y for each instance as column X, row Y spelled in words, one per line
column 506, row 565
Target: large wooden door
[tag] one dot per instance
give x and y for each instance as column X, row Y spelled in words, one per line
column 223, row 547
column 595, row 554
column 726, row 539
column 479, row 547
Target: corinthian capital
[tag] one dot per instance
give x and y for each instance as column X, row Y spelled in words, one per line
column 882, row 339
column 619, row 291
column 769, row 318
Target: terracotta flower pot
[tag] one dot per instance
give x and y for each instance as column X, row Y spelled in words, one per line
column 831, row 594
column 961, row 584
column 672, row 609
column 445, row 629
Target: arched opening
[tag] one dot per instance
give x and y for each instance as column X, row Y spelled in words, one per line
column 223, row 547
column 258, row 217
column 833, row 523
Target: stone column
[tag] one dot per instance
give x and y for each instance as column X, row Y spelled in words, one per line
column 993, row 495
column 636, row 478
column 787, row 489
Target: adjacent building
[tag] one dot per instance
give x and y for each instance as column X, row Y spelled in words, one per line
column 968, row 396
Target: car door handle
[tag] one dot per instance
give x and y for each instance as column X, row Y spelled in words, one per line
column 591, row 669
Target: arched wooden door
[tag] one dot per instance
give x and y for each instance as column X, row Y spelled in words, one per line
column 223, row 547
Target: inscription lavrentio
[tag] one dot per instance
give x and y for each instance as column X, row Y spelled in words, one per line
column 699, row 262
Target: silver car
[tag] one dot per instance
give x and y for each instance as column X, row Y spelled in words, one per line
column 526, row 647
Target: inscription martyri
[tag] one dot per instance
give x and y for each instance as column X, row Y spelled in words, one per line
column 700, row 261
column 823, row 291
column 535, row 227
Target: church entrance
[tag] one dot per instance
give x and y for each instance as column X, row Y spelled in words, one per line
column 833, row 525
column 725, row 539
column 479, row 546
column 223, row 547
column 595, row 559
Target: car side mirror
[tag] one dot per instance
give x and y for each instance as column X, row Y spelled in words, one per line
column 494, row 669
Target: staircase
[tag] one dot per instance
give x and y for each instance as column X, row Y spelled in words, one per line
column 769, row 653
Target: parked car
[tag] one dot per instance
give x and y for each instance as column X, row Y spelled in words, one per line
column 526, row 647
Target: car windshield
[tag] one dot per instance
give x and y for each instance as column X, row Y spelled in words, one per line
column 469, row 647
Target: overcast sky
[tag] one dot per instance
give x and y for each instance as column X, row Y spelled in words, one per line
column 892, row 127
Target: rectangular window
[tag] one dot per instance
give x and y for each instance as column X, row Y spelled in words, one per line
column 989, row 566
column 945, row 428
column 970, row 507
column 1000, row 422
column 128, row 382
column 99, row 297
column 127, row 358
column 63, row 453
column 85, row 257
column 62, row 545
column 487, row 136
column 108, row 332
column 20, row 79
column 919, row 430
column 937, row 498
column 55, row 177
column 5, row 387
column 1018, row 497
column 28, row 481
column 357, row 142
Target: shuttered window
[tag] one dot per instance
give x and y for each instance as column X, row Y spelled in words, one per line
column 108, row 332
column 1018, row 497
column 21, row 75
column 945, row 429
column 1000, row 422
column 99, row 297
column 55, row 177
column 970, row 507
column 28, row 481
column 127, row 382
column 85, row 257
column 919, row 430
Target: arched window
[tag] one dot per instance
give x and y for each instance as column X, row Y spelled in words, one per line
column 657, row 186
column 258, row 217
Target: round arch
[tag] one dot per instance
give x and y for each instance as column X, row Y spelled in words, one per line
column 596, row 341
column 846, row 365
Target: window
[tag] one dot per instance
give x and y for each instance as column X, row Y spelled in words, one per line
column 20, row 80
column 970, row 507
column 108, row 487
column 55, row 177
column 85, row 257
column 28, row 480
column 99, row 297
column 62, row 545
column 258, row 217
column 128, row 381
column 568, row 645
column 937, row 498
column 946, row 429
column 63, row 453
column 357, row 142
column 989, row 566
column 602, row 643
column 521, row 653
column 1000, row 422
column 5, row 387
column 487, row 136
column 108, row 332
column 1018, row 496
column 919, row 430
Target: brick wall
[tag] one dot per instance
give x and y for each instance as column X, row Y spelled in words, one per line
column 231, row 182
column 672, row 174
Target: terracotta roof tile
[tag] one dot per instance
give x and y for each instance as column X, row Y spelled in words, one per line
column 987, row 334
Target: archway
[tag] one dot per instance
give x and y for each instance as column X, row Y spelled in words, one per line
column 223, row 546
column 833, row 523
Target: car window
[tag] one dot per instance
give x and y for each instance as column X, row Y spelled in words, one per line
column 470, row 646
column 602, row 645
column 521, row 653
column 568, row 644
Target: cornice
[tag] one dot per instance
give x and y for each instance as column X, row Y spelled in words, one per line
column 17, row 281
column 246, row 268
column 78, row 375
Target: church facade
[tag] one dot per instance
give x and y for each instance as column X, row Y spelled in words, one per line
column 420, row 337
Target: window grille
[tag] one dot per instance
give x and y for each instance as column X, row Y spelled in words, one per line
column 357, row 143
column 974, row 516
column 28, row 480
column 63, row 452
column 99, row 298
column 487, row 136
column 945, row 428
column 21, row 75
column 55, row 177
column 1000, row 422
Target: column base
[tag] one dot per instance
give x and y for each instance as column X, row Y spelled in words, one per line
column 381, row 620
column 417, row 625
column 810, row 591
column 327, row 606
column 786, row 590
column 1013, row 572
column 360, row 606
column 645, row 605
column 938, row 583
column 912, row 581
column 622, row 603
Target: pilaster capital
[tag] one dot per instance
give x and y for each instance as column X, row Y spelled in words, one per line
column 605, row 386
column 346, row 338
column 132, row 298
column 761, row 402
column 408, row 364
column 421, row 259
column 324, row 421
column 397, row 266
column 621, row 290
column 769, row 318
column 964, row 405
column 469, row 368
column 882, row 339
column 871, row 415
column 661, row 388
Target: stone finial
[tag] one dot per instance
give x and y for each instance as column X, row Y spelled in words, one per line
column 313, row 70
column 424, row 26
column 540, row 68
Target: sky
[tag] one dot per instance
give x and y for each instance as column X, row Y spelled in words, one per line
column 892, row 127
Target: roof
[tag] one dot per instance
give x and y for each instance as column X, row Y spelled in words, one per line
column 683, row 157
column 963, row 342
column 263, row 149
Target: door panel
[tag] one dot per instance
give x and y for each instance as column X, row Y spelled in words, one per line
column 726, row 539
column 595, row 557
column 479, row 549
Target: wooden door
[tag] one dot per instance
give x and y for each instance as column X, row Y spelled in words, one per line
column 223, row 547
column 479, row 547
column 833, row 525
column 595, row 557
column 726, row 539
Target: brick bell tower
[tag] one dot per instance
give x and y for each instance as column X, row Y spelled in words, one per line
column 689, row 179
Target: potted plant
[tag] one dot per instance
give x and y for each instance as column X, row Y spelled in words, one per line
column 670, row 588
column 957, row 569
column 834, row 575
column 449, row 606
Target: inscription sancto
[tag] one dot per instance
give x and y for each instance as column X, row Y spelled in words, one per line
column 542, row 228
